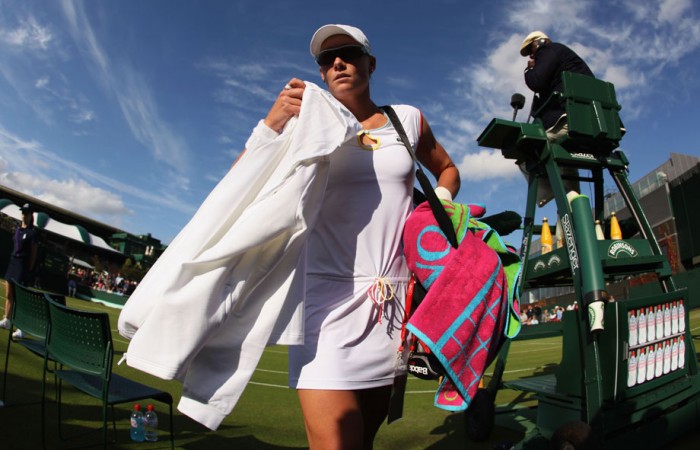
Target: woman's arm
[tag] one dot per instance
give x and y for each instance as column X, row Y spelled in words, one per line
column 434, row 157
column 287, row 105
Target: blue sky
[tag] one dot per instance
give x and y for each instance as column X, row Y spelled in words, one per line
column 129, row 112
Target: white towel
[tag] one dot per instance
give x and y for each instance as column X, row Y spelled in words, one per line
column 232, row 280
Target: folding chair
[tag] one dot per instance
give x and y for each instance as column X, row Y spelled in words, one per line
column 30, row 313
column 81, row 342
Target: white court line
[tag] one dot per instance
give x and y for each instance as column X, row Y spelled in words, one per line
column 518, row 370
column 279, row 386
column 518, row 352
column 268, row 385
column 284, row 372
column 275, row 351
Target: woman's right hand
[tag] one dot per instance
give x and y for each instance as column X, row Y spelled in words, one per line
column 288, row 104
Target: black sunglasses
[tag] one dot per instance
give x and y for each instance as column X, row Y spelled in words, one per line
column 347, row 53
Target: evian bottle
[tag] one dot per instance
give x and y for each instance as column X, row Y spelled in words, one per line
column 667, row 320
column 632, row 321
column 651, row 325
column 632, row 370
column 659, row 363
column 641, row 367
column 641, row 327
column 651, row 363
column 681, row 352
column 674, row 318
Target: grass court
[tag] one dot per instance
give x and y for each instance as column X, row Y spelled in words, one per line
column 268, row 415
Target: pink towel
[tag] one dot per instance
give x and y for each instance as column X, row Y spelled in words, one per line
column 462, row 318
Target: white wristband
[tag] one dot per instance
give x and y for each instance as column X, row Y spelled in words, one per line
column 261, row 135
column 443, row 193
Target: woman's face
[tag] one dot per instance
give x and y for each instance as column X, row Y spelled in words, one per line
column 346, row 78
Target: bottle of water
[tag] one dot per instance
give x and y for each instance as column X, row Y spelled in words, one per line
column 651, row 362
column 681, row 317
column 632, row 326
column 150, row 424
column 632, row 370
column 137, row 424
column 641, row 327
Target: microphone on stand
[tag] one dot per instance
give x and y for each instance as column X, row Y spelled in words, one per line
column 517, row 101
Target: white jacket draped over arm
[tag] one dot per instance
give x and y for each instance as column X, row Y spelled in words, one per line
column 232, row 281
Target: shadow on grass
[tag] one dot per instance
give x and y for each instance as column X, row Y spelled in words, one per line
column 455, row 437
column 221, row 442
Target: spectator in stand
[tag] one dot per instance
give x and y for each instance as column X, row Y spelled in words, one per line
column 537, row 313
column 530, row 313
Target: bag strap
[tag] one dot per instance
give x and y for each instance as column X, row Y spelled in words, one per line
column 439, row 212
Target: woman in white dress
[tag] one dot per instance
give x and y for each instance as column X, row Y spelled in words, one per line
column 356, row 276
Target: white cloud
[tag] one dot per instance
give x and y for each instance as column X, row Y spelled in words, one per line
column 672, row 10
column 71, row 194
column 41, row 82
column 29, row 35
column 566, row 18
column 486, row 165
column 250, row 86
column 133, row 94
column 25, row 165
column 141, row 113
column 59, row 99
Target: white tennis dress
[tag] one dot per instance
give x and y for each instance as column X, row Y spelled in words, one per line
column 357, row 276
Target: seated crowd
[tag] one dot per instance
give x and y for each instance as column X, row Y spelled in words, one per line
column 103, row 281
column 534, row 314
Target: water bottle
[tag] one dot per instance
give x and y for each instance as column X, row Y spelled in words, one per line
column 632, row 370
column 150, row 424
column 137, row 424
column 651, row 363
column 641, row 327
column 632, row 326
column 681, row 317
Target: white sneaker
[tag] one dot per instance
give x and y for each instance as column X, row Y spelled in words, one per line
column 5, row 323
column 18, row 334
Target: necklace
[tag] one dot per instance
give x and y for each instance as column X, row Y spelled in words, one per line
column 368, row 142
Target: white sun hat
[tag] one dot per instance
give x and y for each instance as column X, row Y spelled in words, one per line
column 327, row 31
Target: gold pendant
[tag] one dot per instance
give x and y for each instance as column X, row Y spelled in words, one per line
column 368, row 142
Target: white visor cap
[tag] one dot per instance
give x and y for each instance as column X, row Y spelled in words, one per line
column 327, row 31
